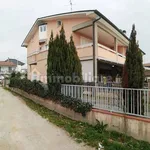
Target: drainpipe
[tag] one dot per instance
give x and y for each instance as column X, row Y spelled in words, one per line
column 94, row 53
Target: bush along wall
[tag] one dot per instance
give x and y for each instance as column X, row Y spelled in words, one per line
column 41, row 90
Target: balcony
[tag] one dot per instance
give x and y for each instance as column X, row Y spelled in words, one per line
column 108, row 54
column 104, row 53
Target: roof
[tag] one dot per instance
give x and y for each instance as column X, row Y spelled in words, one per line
column 147, row 65
column 9, row 64
column 15, row 61
column 75, row 12
column 70, row 13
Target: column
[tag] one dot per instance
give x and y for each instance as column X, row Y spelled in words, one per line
column 95, row 51
column 116, row 48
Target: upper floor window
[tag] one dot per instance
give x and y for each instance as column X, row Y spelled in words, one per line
column 43, row 28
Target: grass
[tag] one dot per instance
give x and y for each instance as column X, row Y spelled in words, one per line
column 90, row 135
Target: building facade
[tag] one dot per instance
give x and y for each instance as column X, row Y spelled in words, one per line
column 101, row 46
column 7, row 68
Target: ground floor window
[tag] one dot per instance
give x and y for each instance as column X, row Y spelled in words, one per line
column 34, row 76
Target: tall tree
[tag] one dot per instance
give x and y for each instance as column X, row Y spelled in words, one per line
column 62, row 61
column 75, row 64
column 133, row 72
column 49, row 58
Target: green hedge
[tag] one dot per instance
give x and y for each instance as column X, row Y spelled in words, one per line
column 35, row 87
column 41, row 90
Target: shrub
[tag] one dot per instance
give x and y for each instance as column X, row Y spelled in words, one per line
column 75, row 104
column 100, row 127
column 40, row 89
column 35, row 87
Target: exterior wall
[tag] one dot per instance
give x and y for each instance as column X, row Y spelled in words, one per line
column 122, row 50
column 41, row 57
column 87, row 70
column 5, row 69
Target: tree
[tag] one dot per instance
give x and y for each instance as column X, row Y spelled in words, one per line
column 133, row 71
column 62, row 61
column 75, row 64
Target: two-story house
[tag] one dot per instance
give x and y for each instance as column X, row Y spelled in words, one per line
column 101, row 46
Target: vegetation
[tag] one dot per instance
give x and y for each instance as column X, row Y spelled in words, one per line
column 63, row 64
column 133, row 72
column 133, row 76
column 41, row 90
column 91, row 135
column 35, row 87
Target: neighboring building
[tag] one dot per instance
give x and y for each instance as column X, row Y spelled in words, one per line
column 101, row 46
column 147, row 70
column 18, row 63
column 7, row 68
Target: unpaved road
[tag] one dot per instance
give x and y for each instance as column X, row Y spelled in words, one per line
column 23, row 129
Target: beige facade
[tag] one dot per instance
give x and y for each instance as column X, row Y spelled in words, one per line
column 110, row 43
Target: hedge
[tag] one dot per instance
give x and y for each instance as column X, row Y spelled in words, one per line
column 41, row 90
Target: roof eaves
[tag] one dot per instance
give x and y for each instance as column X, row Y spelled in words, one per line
column 23, row 45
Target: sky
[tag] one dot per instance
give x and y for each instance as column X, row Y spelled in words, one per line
column 17, row 17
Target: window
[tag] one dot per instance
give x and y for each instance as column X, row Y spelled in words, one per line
column 34, row 76
column 59, row 23
column 42, row 28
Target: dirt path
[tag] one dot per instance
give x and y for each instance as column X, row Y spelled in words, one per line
column 23, row 129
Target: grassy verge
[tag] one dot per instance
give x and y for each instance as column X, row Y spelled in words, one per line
column 91, row 135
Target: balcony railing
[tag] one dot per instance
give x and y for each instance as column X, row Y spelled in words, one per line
column 42, row 49
column 110, row 55
column 104, row 52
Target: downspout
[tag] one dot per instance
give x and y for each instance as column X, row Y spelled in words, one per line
column 94, row 53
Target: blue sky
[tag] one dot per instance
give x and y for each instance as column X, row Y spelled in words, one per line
column 17, row 17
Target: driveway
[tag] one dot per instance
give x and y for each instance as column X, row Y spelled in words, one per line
column 23, row 129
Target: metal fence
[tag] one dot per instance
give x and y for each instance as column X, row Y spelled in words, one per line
column 128, row 101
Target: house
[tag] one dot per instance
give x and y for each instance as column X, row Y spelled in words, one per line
column 18, row 63
column 101, row 46
column 147, row 70
column 6, row 68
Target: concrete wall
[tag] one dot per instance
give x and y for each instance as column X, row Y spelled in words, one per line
column 136, row 127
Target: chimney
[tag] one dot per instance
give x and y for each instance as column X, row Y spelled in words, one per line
column 124, row 31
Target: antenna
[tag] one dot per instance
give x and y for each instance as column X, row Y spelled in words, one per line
column 71, row 4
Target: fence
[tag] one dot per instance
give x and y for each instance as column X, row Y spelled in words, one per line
column 129, row 101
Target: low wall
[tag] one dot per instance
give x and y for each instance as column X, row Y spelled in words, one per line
column 136, row 127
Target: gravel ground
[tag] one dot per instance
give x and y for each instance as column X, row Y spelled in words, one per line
column 23, row 129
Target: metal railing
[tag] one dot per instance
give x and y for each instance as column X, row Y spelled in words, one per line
column 128, row 101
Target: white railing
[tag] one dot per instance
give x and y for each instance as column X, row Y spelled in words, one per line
column 128, row 101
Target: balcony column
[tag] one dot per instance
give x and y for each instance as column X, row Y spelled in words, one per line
column 95, row 51
column 116, row 48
